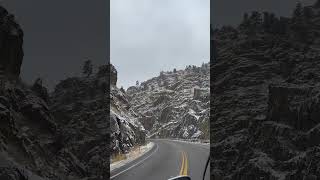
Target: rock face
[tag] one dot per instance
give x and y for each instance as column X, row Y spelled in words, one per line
column 174, row 104
column 79, row 105
column 67, row 139
column 265, row 100
column 27, row 132
column 11, row 40
column 59, row 136
column 126, row 130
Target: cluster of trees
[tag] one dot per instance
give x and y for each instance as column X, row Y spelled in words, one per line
column 269, row 23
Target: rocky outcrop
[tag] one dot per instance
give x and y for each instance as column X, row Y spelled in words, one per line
column 265, row 91
column 64, row 135
column 174, row 104
column 113, row 75
column 79, row 106
column 11, row 40
column 40, row 90
column 126, row 130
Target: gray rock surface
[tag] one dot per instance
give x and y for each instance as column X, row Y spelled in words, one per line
column 265, row 100
column 126, row 130
column 11, row 40
column 174, row 104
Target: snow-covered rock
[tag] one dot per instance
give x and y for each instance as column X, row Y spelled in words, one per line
column 174, row 104
column 265, row 110
column 126, row 130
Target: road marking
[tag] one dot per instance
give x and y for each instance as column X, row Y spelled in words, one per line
column 135, row 164
column 184, row 164
column 185, row 171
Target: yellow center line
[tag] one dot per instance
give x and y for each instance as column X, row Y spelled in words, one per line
column 184, row 164
column 185, row 170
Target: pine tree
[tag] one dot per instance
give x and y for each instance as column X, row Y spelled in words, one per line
column 174, row 70
column 122, row 89
column 266, row 21
column 87, row 68
column 137, row 83
column 256, row 18
column 245, row 21
column 297, row 13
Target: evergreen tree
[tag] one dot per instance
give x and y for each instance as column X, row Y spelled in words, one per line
column 297, row 13
column 87, row 68
column 137, row 83
column 174, row 70
column 245, row 21
column 41, row 91
column 256, row 19
column 122, row 89
column 266, row 21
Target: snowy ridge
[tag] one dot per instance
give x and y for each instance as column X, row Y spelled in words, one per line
column 174, row 104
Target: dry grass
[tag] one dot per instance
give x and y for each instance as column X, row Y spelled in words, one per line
column 118, row 157
column 135, row 151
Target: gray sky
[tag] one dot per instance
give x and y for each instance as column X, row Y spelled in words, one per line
column 230, row 12
column 148, row 36
column 60, row 35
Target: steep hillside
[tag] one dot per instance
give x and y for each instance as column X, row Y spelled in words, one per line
column 67, row 139
column 265, row 101
column 78, row 105
column 59, row 136
column 126, row 130
column 174, row 104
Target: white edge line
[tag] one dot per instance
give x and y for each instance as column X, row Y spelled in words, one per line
column 203, row 145
column 135, row 164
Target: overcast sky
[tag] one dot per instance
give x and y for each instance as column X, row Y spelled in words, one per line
column 60, row 35
column 230, row 12
column 148, row 36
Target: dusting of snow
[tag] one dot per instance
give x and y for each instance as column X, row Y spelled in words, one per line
column 132, row 155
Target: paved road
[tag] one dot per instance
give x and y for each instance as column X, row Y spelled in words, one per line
column 167, row 159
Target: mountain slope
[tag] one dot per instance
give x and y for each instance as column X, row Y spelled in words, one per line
column 174, row 104
column 265, row 101
column 126, row 130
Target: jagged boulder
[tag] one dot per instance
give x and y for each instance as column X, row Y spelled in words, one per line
column 11, row 41
column 113, row 75
column 40, row 90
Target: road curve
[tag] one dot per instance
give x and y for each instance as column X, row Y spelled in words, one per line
column 165, row 160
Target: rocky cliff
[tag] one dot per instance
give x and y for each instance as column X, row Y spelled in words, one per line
column 63, row 135
column 11, row 40
column 79, row 106
column 174, row 104
column 126, row 130
column 265, row 97
column 65, row 139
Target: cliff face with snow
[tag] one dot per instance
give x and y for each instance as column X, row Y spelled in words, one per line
column 174, row 104
column 126, row 130
column 63, row 137
column 79, row 106
column 265, row 101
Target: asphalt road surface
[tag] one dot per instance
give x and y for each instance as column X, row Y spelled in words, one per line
column 165, row 160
